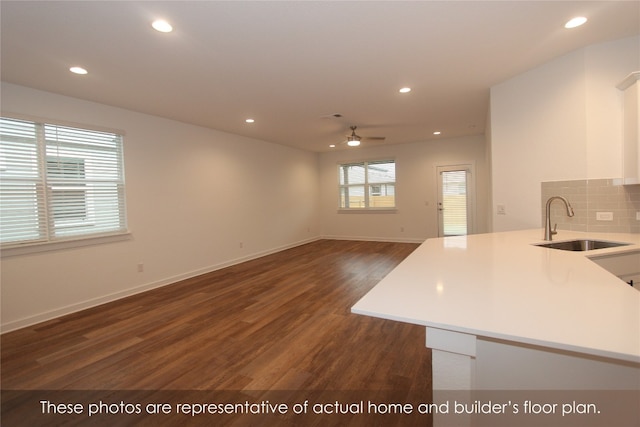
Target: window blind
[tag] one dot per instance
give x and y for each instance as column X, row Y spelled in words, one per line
column 59, row 182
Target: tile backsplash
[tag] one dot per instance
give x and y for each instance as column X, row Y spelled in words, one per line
column 588, row 198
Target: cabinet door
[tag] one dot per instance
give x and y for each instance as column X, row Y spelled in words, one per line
column 633, row 280
column 631, row 132
column 626, row 266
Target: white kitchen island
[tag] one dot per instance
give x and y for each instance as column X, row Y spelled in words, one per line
column 503, row 314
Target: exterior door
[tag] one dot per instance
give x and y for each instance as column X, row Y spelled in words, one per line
column 455, row 200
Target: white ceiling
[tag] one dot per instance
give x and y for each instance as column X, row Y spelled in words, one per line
column 290, row 64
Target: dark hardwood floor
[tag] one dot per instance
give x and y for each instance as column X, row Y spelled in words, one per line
column 279, row 326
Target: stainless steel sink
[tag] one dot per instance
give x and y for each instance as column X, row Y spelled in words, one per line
column 581, row 245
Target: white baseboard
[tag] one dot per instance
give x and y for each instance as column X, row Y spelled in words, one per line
column 373, row 239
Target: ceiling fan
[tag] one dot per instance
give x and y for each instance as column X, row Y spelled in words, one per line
column 354, row 140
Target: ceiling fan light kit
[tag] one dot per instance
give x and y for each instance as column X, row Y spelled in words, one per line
column 353, row 140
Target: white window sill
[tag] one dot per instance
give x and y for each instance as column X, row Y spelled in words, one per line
column 368, row 210
column 30, row 248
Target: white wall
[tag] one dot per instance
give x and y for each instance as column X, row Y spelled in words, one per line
column 193, row 195
column 560, row 121
column 416, row 192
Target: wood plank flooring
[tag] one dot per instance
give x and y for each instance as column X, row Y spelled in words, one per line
column 280, row 323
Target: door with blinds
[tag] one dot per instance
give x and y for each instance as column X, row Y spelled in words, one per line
column 455, row 200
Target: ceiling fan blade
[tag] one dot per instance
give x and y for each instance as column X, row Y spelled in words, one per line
column 375, row 138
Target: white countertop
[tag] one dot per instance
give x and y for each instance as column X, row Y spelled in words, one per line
column 499, row 285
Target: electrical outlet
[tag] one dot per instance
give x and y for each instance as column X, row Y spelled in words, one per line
column 604, row 216
column 140, row 267
column 501, row 210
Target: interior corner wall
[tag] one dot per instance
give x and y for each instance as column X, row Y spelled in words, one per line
column 488, row 208
column 197, row 200
column 559, row 121
column 416, row 218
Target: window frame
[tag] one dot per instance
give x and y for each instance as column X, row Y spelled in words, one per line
column 367, row 186
column 44, row 208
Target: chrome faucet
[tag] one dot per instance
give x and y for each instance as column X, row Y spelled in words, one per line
column 548, row 233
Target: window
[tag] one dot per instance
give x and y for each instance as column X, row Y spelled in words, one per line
column 368, row 185
column 59, row 183
column 69, row 202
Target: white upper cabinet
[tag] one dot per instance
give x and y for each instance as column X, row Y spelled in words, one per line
column 631, row 132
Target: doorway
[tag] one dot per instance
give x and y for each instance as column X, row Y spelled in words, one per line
column 455, row 200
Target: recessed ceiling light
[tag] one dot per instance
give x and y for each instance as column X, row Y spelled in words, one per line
column 250, row 121
column 332, row 146
column 405, row 90
column 437, row 132
column 575, row 22
column 162, row 26
column 78, row 70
